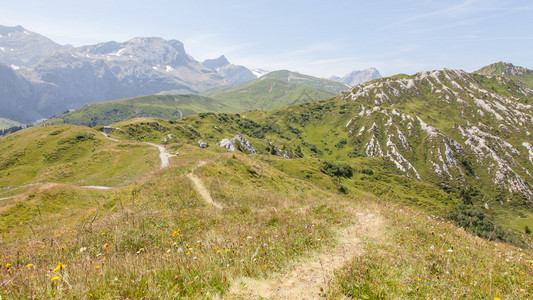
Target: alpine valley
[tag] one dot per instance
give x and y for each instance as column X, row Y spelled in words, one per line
column 285, row 186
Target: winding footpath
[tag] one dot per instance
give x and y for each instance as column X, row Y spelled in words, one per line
column 199, row 187
column 163, row 156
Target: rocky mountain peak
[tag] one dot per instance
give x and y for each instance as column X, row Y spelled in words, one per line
column 5, row 30
column 21, row 47
column 502, row 69
column 148, row 50
column 216, row 63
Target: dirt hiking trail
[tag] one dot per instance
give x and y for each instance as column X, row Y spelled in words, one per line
column 306, row 277
column 199, row 187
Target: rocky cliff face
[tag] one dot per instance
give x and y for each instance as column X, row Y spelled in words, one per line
column 16, row 95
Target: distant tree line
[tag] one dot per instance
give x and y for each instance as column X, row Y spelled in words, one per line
column 12, row 129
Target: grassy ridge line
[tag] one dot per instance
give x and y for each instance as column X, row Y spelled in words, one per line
column 520, row 74
column 268, row 94
column 311, row 81
column 169, row 107
column 285, row 76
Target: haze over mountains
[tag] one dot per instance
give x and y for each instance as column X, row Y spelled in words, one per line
column 357, row 77
column 41, row 78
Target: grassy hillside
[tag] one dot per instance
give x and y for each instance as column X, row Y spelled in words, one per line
column 227, row 224
column 286, row 76
column 259, row 94
column 268, row 94
column 412, row 134
column 161, row 106
column 301, row 79
column 69, row 154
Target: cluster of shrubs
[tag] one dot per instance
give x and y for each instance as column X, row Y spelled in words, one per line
column 476, row 221
column 340, row 169
column 10, row 130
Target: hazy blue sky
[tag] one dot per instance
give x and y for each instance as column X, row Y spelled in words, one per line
column 320, row 38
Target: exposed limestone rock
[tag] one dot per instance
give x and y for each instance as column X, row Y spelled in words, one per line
column 231, row 144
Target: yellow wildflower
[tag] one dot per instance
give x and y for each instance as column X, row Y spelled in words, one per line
column 175, row 234
column 29, row 265
column 55, row 278
column 59, row 267
column 8, row 266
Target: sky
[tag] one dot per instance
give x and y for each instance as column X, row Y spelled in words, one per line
column 320, row 38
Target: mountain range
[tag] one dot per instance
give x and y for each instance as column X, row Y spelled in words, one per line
column 42, row 78
column 48, row 78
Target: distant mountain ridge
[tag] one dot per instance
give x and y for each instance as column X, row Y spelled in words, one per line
column 357, row 77
column 57, row 78
column 22, row 48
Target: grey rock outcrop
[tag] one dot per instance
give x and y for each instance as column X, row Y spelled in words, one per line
column 231, row 144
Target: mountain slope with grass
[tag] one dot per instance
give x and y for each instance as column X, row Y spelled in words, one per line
column 268, row 94
column 6, row 123
column 69, row 154
column 307, row 80
column 403, row 187
column 160, row 106
column 265, row 94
